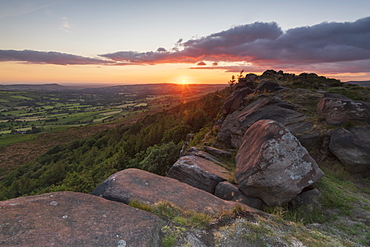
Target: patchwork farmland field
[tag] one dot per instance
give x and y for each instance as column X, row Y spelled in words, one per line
column 25, row 110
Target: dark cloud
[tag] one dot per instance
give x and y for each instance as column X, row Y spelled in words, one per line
column 330, row 45
column 40, row 57
column 201, row 63
column 267, row 44
column 161, row 49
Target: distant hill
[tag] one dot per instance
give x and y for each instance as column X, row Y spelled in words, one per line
column 360, row 83
column 21, row 87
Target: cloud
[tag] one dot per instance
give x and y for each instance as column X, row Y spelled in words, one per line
column 266, row 44
column 40, row 57
column 328, row 47
column 161, row 49
column 66, row 25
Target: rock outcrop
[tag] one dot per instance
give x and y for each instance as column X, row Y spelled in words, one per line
column 231, row 192
column 198, row 172
column 337, row 109
column 218, row 152
column 235, row 124
column 352, row 148
column 193, row 151
column 272, row 165
column 235, row 100
column 75, row 219
column 148, row 188
column 268, row 87
column 248, row 81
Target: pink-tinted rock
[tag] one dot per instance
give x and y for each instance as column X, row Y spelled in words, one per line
column 75, row 219
column 235, row 124
column 198, row 172
column 218, row 152
column 231, row 192
column 272, row 165
column 336, row 110
column 149, row 188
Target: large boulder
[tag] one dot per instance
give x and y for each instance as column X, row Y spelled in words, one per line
column 271, row 164
column 352, row 148
column 198, row 172
column 75, row 219
column 337, row 110
column 149, row 188
column 235, row 124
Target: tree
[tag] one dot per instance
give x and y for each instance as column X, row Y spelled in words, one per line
column 232, row 81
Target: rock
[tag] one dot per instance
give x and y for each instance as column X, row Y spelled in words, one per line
column 193, row 151
column 75, row 219
column 316, row 143
column 231, row 192
column 272, row 165
column 352, row 148
column 198, row 172
column 335, row 96
column 268, row 87
column 269, row 73
column 248, row 81
column 218, row 152
column 308, row 200
column 337, row 110
column 251, row 77
column 235, row 124
column 234, row 101
column 149, row 188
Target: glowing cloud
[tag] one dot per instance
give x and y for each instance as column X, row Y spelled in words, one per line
column 266, row 44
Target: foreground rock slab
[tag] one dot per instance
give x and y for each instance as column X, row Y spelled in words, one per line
column 149, row 188
column 272, row 165
column 352, row 148
column 75, row 219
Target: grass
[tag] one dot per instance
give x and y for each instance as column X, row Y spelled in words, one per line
column 140, row 205
column 353, row 92
column 10, row 139
column 178, row 220
column 265, row 230
column 340, row 204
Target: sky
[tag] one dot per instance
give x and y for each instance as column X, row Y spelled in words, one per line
column 173, row 41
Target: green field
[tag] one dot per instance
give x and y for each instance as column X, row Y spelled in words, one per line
column 34, row 111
